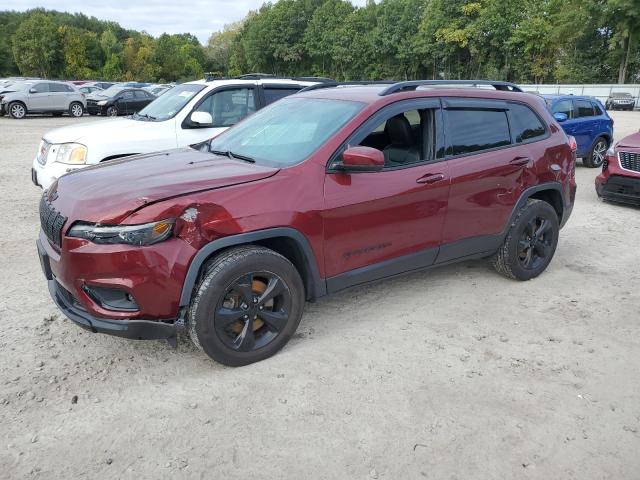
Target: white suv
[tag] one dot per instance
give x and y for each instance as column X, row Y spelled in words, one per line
column 187, row 114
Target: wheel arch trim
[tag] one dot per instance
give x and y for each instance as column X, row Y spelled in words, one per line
column 316, row 286
column 529, row 192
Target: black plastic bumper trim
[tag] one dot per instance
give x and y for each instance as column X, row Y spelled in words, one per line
column 132, row 329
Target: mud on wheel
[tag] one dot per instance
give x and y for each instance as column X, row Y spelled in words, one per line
column 247, row 305
column 530, row 243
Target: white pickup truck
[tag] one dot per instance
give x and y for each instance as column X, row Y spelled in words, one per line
column 187, row 114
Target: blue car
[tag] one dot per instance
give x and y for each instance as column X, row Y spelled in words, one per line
column 586, row 119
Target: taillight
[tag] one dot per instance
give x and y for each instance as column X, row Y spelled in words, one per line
column 572, row 143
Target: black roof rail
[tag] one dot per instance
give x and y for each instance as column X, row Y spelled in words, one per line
column 318, row 86
column 255, row 76
column 314, row 79
column 413, row 84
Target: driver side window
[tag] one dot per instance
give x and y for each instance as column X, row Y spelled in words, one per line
column 406, row 138
column 228, row 107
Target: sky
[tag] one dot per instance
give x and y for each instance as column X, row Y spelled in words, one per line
column 198, row 17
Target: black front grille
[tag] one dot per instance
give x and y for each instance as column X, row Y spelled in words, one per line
column 630, row 161
column 51, row 221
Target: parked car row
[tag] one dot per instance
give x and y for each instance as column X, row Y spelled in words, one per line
column 19, row 97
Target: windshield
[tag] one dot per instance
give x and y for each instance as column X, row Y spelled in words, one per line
column 621, row 94
column 111, row 91
column 287, row 131
column 170, row 103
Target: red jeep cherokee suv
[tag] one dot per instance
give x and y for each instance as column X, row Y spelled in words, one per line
column 620, row 177
column 330, row 188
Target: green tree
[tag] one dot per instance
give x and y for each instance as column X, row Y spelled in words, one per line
column 36, row 46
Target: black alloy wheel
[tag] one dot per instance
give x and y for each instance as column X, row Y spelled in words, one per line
column 253, row 311
column 535, row 243
column 530, row 242
column 247, row 305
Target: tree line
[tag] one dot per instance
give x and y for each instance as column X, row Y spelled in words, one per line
column 564, row 41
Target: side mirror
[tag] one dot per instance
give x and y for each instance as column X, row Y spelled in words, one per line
column 33, row 90
column 560, row 117
column 361, row 159
column 201, row 118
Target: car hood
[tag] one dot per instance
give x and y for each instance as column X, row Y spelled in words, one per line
column 109, row 192
column 113, row 128
column 632, row 141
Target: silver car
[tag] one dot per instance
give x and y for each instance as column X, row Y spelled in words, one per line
column 42, row 96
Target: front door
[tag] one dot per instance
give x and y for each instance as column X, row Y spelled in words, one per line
column 378, row 224
column 39, row 97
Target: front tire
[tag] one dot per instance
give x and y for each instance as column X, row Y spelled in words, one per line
column 112, row 111
column 76, row 110
column 247, row 306
column 530, row 243
column 597, row 153
column 17, row 110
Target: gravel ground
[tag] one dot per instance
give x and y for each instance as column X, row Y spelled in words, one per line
column 455, row 373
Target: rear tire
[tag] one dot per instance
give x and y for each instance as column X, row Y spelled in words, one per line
column 76, row 109
column 530, row 243
column 597, row 153
column 247, row 306
column 17, row 110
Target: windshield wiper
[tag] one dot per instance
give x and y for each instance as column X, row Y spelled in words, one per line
column 145, row 115
column 233, row 156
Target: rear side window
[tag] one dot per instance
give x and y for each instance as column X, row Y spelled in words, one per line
column 584, row 107
column 596, row 109
column 470, row 130
column 59, row 87
column 525, row 124
column 564, row 106
column 273, row 94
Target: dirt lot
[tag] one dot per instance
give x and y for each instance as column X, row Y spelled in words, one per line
column 455, row 373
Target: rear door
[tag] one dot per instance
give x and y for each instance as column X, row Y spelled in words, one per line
column 38, row 97
column 141, row 100
column 585, row 126
column 60, row 94
column 488, row 173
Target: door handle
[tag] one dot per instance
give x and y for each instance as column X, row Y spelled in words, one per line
column 520, row 161
column 430, row 178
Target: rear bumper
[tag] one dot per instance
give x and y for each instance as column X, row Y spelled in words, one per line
column 132, row 329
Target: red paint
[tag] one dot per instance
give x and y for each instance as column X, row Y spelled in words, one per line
column 350, row 220
column 630, row 144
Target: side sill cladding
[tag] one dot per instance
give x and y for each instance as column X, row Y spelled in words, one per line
column 316, row 286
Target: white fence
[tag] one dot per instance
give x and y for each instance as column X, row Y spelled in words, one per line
column 600, row 91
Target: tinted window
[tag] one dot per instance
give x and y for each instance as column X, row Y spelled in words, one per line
column 127, row 95
column 584, row 107
column 41, row 88
column 140, row 94
column 59, row 87
column 525, row 124
column 273, row 94
column 596, row 109
column 228, row 107
column 471, row 130
column 564, row 106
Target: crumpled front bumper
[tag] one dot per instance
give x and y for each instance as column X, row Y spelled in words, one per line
column 132, row 329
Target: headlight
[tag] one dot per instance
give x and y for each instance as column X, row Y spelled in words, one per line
column 70, row 153
column 146, row 234
column 102, row 103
